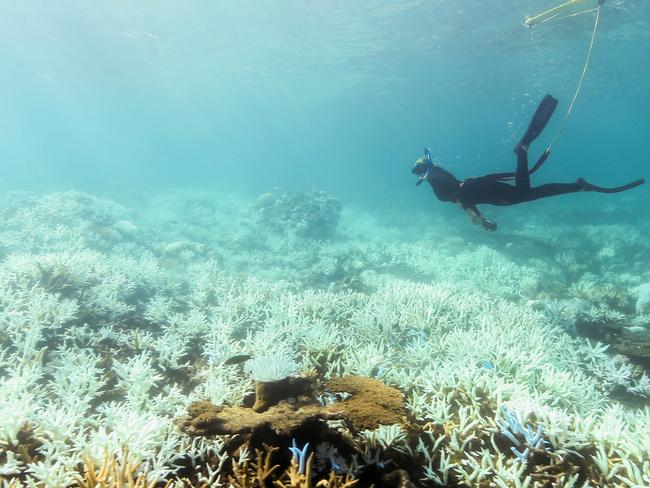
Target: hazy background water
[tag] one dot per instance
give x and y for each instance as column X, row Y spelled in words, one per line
column 340, row 95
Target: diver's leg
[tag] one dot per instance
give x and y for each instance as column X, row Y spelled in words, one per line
column 551, row 190
column 522, row 177
column 538, row 122
column 554, row 189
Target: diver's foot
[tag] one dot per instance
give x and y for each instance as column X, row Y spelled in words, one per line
column 520, row 148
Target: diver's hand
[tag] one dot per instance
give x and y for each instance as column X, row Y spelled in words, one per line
column 488, row 225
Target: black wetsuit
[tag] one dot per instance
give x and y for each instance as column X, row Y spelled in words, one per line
column 492, row 190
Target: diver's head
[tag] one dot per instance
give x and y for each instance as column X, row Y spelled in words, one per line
column 423, row 167
column 420, row 167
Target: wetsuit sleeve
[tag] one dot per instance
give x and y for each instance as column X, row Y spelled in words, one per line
column 477, row 219
column 473, row 213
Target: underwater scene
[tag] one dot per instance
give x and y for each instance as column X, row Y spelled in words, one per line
column 365, row 243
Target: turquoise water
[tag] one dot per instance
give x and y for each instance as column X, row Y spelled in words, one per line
column 201, row 201
column 339, row 95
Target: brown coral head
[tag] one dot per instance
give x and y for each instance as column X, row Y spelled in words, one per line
column 268, row 394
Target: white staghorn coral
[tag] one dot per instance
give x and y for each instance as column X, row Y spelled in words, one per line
column 54, row 473
column 103, row 343
column 19, row 401
column 11, row 466
column 220, row 387
column 152, row 439
column 385, row 437
column 136, row 377
column 76, row 379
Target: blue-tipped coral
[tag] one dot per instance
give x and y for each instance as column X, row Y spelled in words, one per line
column 514, row 429
column 299, row 455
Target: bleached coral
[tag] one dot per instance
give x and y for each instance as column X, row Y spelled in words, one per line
column 643, row 299
column 58, row 222
column 136, row 377
column 103, row 342
column 615, row 372
column 385, row 437
column 76, row 379
column 29, row 314
column 274, row 366
column 19, row 401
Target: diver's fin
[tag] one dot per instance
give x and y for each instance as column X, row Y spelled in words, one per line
column 540, row 119
column 617, row 189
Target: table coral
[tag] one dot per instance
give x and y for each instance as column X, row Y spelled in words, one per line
column 284, row 418
column 371, row 403
column 364, row 403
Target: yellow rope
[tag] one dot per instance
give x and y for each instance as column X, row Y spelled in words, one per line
column 582, row 12
column 582, row 78
column 552, row 12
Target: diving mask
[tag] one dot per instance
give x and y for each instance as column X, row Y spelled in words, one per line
column 423, row 167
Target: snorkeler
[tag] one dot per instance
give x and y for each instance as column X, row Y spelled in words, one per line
column 491, row 189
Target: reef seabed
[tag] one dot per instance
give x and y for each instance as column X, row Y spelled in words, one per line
column 217, row 340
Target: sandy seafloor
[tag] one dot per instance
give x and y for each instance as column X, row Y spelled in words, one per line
column 520, row 354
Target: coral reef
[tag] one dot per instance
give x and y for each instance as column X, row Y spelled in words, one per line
column 643, row 300
column 270, row 393
column 261, row 472
column 353, row 406
column 368, row 404
column 306, row 213
column 507, row 348
column 114, row 472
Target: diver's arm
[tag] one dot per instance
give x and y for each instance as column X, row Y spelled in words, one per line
column 473, row 214
column 476, row 218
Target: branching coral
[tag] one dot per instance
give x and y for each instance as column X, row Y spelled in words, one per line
column 104, row 341
column 262, row 472
column 115, row 472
